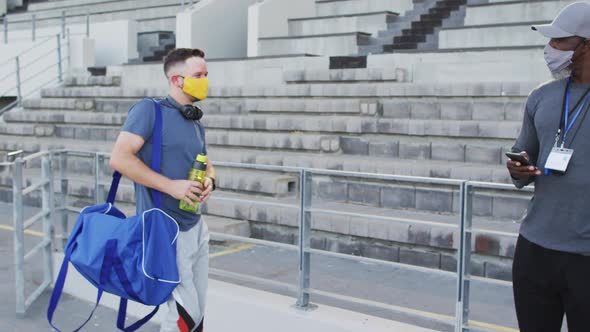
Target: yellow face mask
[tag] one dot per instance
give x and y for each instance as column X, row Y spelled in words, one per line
column 196, row 87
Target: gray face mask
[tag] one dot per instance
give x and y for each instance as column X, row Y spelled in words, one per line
column 557, row 60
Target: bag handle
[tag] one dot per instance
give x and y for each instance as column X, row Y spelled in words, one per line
column 156, row 160
column 107, row 265
column 110, row 261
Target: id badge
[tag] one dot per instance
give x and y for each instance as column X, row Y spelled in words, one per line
column 559, row 159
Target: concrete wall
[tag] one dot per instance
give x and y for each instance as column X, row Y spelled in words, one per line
column 437, row 67
column 269, row 18
column 109, row 50
column 14, row 3
column 491, row 36
column 471, row 66
column 3, row 7
column 267, row 72
column 514, row 12
column 218, row 26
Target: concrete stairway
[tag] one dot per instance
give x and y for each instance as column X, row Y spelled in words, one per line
column 359, row 120
column 417, row 28
column 155, row 45
column 338, row 28
column 501, row 25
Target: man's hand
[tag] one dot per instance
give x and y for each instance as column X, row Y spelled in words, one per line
column 208, row 186
column 522, row 172
column 188, row 191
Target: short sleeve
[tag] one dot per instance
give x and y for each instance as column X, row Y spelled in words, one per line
column 140, row 119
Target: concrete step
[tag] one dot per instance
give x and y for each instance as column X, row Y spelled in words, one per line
column 281, row 141
column 79, row 105
column 368, row 164
column 500, row 35
column 66, row 117
column 350, row 90
column 513, row 12
column 256, row 182
column 311, row 106
column 399, row 228
column 321, row 25
column 80, row 132
column 419, row 198
column 486, row 152
column 351, row 7
column 327, row 44
column 344, row 75
column 57, row 104
column 80, row 173
column 92, row 81
column 365, row 125
column 31, row 144
column 228, row 225
column 497, row 109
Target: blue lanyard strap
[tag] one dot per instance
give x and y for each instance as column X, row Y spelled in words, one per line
column 567, row 125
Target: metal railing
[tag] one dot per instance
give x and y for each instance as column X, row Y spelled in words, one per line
column 19, row 193
column 184, row 4
column 303, row 290
column 29, row 60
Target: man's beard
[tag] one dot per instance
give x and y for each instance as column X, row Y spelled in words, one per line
column 564, row 73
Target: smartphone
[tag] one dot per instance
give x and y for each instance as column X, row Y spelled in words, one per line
column 518, row 157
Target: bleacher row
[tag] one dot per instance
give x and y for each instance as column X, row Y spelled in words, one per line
column 364, row 119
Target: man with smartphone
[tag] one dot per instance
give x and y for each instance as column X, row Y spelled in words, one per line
column 551, row 269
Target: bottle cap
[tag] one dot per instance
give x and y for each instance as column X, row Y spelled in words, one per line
column 202, row 158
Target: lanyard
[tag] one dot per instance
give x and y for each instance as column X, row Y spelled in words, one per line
column 567, row 125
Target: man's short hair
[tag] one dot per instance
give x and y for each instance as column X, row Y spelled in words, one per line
column 180, row 55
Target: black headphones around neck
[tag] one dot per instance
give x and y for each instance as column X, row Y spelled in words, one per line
column 189, row 112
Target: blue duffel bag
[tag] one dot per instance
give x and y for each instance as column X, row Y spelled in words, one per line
column 133, row 258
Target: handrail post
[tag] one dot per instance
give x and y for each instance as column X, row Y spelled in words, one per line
column 48, row 207
column 64, row 198
column 5, row 29
column 464, row 259
column 305, row 194
column 19, row 235
column 63, row 24
column 59, row 64
column 18, row 82
column 87, row 25
column 69, row 50
column 34, row 25
column 98, row 187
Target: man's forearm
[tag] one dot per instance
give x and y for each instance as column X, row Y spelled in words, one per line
column 133, row 168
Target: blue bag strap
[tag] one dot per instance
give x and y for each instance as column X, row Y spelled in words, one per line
column 156, row 160
column 123, row 313
column 107, row 265
column 157, row 152
column 114, row 187
column 117, row 265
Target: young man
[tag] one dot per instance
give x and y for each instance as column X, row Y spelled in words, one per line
column 551, row 270
column 183, row 139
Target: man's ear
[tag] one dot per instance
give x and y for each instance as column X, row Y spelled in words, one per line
column 176, row 80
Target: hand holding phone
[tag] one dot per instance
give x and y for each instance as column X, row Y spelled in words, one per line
column 518, row 157
column 520, row 167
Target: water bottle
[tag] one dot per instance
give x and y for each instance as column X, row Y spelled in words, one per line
column 196, row 173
